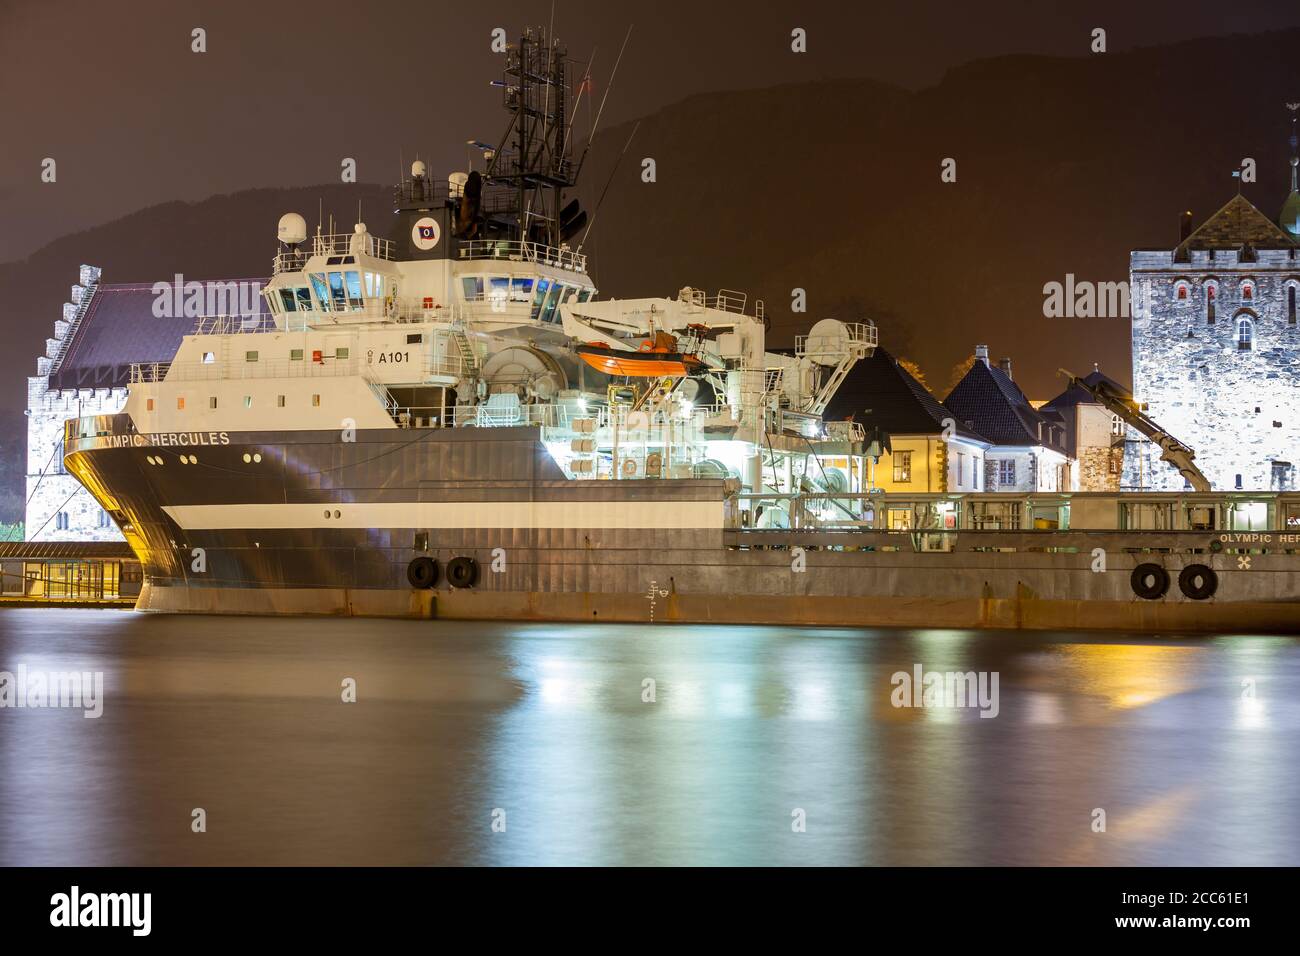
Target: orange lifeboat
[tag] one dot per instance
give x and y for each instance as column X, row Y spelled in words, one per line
column 657, row 358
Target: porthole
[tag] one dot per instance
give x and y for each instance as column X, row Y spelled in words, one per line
column 338, row 514
column 327, row 512
column 247, row 458
column 257, row 457
column 193, row 460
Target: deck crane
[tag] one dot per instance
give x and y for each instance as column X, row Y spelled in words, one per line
column 1171, row 449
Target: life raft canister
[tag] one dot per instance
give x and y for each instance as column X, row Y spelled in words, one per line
column 1198, row 582
column 1149, row 581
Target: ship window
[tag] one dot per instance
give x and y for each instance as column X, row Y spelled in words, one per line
column 415, row 338
column 248, row 401
column 250, row 356
column 148, row 404
column 584, row 295
column 354, row 288
column 180, row 403
column 209, row 358
column 287, row 299
column 341, row 353
column 903, row 466
column 336, row 290
column 279, row 401
column 498, row 290
column 548, row 313
column 379, row 285
column 318, row 286
column 369, row 279
column 315, row 400
column 304, row 298
column 539, row 296
column 212, row 401
column 521, row 289
column 472, row 286
column 421, row 541
column 295, row 355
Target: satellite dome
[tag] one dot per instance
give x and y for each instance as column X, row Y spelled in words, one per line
column 417, row 169
column 292, row 229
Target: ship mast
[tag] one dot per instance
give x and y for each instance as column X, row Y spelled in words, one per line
column 534, row 158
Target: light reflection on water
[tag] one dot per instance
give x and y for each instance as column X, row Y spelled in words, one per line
column 243, row 718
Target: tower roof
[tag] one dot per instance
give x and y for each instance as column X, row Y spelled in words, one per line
column 1236, row 224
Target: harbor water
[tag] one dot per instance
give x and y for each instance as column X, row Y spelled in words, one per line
column 351, row 741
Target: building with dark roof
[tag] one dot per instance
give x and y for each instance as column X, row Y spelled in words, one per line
column 1028, row 449
column 930, row 448
column 1095, row 437
column 1216, row 347
column 105, row 329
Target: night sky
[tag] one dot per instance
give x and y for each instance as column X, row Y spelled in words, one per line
column 134, row 118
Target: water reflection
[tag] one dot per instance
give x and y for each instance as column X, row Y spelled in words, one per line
column 632, row 745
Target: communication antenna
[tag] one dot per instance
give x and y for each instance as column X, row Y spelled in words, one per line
column 596, row 212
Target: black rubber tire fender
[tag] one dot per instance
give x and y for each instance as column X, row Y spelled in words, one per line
column 422, row 572
column 1198, row 582
column 1149, row 581
column 462, row 572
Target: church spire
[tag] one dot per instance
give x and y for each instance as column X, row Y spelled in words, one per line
column 1289, row 218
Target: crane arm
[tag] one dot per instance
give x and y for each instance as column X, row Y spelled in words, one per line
column 1171, row 449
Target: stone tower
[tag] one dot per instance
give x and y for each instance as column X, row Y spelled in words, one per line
column 1216, row 347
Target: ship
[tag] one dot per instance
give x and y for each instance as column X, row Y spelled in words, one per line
column 448, row 421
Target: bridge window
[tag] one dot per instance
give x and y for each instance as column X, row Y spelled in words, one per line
column 498, row 291
column 337, row 294
column 287, row 300
column 586, row 294
column 321, row 290
column 548, row 313
column 472, row 287
column 1245, row 335
column 303, row 295
column 521, row 289
column 539, row 296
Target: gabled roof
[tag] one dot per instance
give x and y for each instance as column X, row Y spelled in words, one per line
column 1075, row 395
column 988, row 401
column 1238, row 223
column 1062, row 407
column 119, row 328
column 879, row 392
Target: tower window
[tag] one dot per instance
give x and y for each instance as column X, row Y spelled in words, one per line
column 1209, row 305
column 1290, row 305
column 1245, row 335
column 903, row 466
column 1182, row 291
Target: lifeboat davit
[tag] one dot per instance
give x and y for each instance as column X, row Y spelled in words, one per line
column 655, row 358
